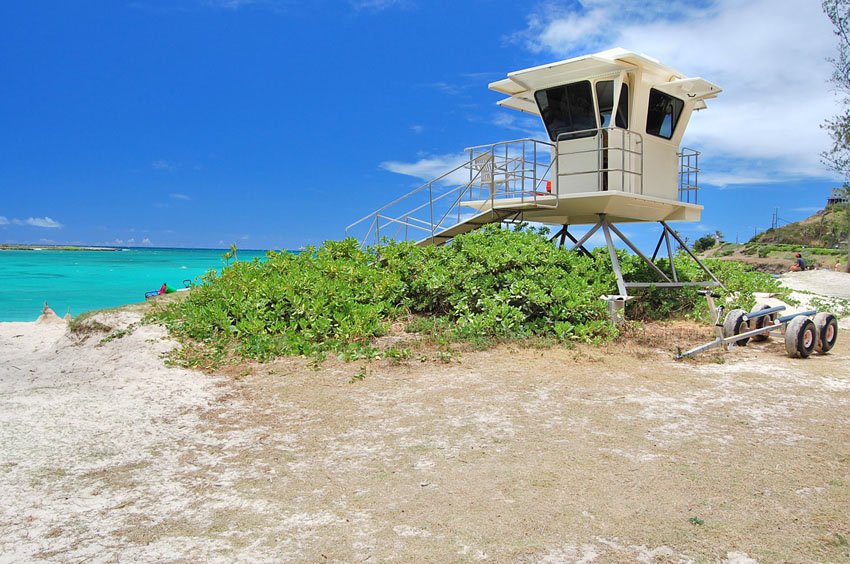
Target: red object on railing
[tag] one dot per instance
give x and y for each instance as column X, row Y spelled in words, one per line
column 549, row 186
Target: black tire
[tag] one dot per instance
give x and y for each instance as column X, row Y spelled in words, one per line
column 760, row 322
column 734, row 324
column 800, row 337
column 827, row 330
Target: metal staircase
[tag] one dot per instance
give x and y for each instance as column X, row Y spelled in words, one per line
column 467, row 197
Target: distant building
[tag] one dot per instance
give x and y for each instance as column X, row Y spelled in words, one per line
column 838, row 196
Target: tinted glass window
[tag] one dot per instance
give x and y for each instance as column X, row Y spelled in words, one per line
column 605, row 96
column 566, row 109
column 663, row 114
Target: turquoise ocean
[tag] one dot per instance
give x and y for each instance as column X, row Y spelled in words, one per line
column 87, row 280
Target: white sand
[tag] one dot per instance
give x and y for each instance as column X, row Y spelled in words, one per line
column 70, row 408
column 822, row 282
column 106, row 454
column 813, row 288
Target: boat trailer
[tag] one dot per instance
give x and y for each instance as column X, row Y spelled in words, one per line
column 804, row 332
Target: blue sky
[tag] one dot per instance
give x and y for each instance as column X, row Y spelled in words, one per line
column 274, row 124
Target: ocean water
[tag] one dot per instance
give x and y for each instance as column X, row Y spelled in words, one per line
column 86, row 280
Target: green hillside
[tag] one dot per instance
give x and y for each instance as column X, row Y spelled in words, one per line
column 820, row 238
column 825, row 229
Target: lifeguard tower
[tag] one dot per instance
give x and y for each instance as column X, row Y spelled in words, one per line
column 615, row 121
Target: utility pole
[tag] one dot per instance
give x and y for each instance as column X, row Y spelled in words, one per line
column 774, row 220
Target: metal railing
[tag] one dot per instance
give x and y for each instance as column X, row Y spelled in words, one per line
column 516, row 176
column 688, row 175
column 504, row 174
column 618, row 156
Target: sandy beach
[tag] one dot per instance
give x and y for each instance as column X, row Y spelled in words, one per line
column 515, row 454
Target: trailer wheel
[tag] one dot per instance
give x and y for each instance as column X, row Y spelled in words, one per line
column 760, row 322
column 826, row 327
column 800, row 337
column 735, row 325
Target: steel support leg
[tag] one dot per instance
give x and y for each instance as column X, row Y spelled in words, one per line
column 638, row 253
column 586, row 236
column 574, row 240
column 670, row 255
column 692, row 255
column 658, row 246
column 559, row 233
column 615, row 262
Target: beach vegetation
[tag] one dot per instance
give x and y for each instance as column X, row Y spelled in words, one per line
column 704, row 243
column 837, row 157
column 487, row 286
column 119, row 333
column 231, row 254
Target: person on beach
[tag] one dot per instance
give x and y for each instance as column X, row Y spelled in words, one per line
column 166, row 289
column 799, row 263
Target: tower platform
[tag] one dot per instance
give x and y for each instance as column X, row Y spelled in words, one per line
column 584, row 208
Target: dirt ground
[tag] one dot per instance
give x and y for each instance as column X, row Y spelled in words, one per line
column 517, row 454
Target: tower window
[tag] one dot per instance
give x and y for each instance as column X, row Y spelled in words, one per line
column 567, row 109
column 605, row 95
column 663, row 114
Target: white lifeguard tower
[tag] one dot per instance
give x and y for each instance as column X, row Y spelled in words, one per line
column 615, row 121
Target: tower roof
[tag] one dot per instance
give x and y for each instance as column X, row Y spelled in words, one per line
column 521, row 85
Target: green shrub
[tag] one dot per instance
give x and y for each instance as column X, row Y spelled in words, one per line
column 489, row 284
column 704, row 243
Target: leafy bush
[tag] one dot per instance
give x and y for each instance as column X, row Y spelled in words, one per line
column 492, row 283
column 726, row 250
column 290, row 304
column 704, row 243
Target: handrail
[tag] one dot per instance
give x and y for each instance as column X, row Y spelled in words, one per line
column 405, row 196
column 603, row 169
column 500, row 170
column 688, row 170
column 513, row 142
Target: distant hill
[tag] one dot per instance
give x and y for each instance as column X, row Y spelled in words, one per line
column 826, row 228
column 821, row 238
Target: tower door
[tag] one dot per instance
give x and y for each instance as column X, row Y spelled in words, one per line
column 615, row 153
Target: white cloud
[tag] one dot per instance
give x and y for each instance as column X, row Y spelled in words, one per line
column 45, row 222
column 229, row 4
column 146, row 241
column 701, row 228
column 769, row 56
column 417, row 128
column 529, row 127
column 118, row 241
column 162, row 164
column 430, row 168
column 178, row 196
column 3, row 220
column 448, row 88
column 809, row 209
column 376, row 5
column 736, row 173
